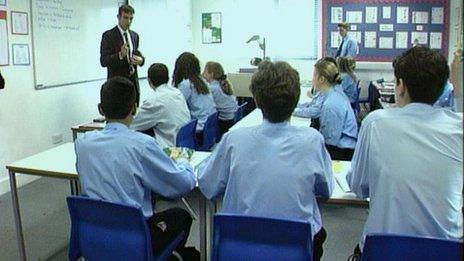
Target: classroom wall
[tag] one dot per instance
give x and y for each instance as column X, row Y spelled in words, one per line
column 233, row 53
column 240, row 21
column 29, row 118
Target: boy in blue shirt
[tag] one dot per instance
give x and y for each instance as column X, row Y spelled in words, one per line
column 124, row 166
column 409, row 160
column 272, row 170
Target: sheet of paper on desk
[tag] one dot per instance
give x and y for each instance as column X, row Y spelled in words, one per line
column 338, row 169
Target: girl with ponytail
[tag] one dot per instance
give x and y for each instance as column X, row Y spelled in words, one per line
column 337, row 122
column 222, row 91
column 188, row 79
column 346, row 65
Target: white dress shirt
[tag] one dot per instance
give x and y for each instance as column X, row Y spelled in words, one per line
column 131, row 46
column 166, row 111
column 409, row 162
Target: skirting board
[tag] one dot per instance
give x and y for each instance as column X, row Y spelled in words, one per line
column 21, row 180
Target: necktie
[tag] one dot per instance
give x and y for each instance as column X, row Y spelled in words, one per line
column 129, row 53
column 339, row 51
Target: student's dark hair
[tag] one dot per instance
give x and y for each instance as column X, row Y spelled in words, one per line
column 327, row 68
column 117, row 98
column 126, row 9
column 158, row 74
column 188, row 67
column 424, row 73
column 347, row 65
column 217, row 71
column 344, row 25
column 276, row 89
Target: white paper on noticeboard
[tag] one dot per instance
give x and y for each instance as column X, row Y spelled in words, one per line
column 386, row 42
column 402, row 15
column 370, row 39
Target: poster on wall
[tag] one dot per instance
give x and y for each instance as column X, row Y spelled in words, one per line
column 211, row 25
column 21, row 54
column 19, row 23
column 3, row 39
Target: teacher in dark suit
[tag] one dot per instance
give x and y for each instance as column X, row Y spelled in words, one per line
column 119, row 49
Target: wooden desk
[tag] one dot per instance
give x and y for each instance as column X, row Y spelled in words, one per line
column 60, row 162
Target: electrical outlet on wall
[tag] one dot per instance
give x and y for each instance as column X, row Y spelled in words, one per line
column 57, row 138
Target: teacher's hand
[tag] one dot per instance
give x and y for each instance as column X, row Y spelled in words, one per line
column 136, row 60
column 124, row 51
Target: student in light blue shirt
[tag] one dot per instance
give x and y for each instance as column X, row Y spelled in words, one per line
column 409, row 160
column 199, row 99
column 226, row 103
column 346, row 66
column 446, row 99
column 310, row 109
column 123, row 166
column 272, row 170
column 337, row 121
column 349, row 46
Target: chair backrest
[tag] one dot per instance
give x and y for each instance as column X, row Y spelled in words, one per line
column 101, row 230
column 239, row 237
column 186, row 135
column 211, row 133
column 357, row 108
column 239, row 112
column 381, row 247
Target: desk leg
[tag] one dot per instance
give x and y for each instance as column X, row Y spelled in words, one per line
column 202, row 210
column 73, row 188
column 17, row 216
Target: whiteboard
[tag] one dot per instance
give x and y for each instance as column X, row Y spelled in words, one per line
column 165, row 30
column 66, row 37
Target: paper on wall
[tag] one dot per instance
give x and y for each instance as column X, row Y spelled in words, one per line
column 402, row 15
column 437, row 15
column 421, row 37
column 386, row 42
column 420, row 17
column 3, row 43
column 371, row 14
column 354, row 17
column 386, row 12
column 370, row 39
column 336, row 15
column 401, row 40
column 435, row 40
column 386, row 27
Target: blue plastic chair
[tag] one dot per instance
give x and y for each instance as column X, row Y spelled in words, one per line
column 211, row 133
column 240, row 111
column 239, row 237
column 186, row 135
column 101, row 230
column 383, row 247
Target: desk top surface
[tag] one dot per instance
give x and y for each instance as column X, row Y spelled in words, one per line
column 60, row 162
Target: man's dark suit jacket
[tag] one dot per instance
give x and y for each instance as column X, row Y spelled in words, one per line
column 109, row 56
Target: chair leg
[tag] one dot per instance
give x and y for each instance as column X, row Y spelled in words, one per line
column 190, row 209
